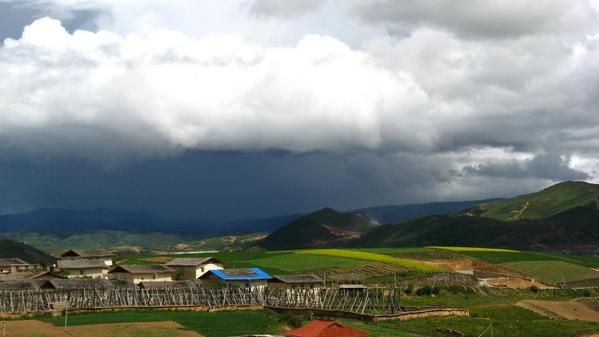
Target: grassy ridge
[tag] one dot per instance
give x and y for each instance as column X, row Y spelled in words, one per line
column 109, row 239
column 550, row 201
column 474, row 249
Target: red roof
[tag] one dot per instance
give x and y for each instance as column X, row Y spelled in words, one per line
column 325, row 329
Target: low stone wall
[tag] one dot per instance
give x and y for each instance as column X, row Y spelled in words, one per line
column 425, row 313
column 402, row 316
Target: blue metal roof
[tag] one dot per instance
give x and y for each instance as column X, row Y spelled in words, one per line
column 252, row 275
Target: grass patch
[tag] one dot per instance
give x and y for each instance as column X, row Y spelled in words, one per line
column 296, row 262
column 375, row 257
column 217, row 324
column 553, row 272
column 474, row 249
column 507, row 320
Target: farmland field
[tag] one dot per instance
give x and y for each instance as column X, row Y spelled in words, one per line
column 29, row 328
column 553, row 272
column 405, row 267
column 297, row 262
column 219, row 324
column 374, row 257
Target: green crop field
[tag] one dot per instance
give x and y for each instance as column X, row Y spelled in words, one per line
column 374, row 257
column 292, row 262
column 498, row 256
column 553, row 272
column 416, row 253
column 218, row 324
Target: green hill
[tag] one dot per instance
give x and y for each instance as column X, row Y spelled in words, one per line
column 9, row 249
column 572, row 229
column 548, row 202
column 324, row 228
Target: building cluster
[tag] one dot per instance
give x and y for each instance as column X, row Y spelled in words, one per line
column 87, row 269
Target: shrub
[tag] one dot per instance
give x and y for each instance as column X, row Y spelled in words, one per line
column 409, row 289
column 534, row 289
column 427, row 291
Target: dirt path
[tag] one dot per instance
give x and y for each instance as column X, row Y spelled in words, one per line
column 155, row 329
column 569, row 310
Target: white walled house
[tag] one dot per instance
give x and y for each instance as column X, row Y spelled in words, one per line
column 16, row 265
column 142, row 273
column 80, row 254
column 83, row 268
column 193, row 268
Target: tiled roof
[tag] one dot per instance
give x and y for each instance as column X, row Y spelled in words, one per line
column 192, row 262
column 87, row 253
column 325, row 329
column 166, row 285
column 78, row 284
column 18, row 286
column 81, row 264
column 300, row 278
column 141, row 269
column 14, row 261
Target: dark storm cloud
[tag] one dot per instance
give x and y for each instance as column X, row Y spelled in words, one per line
column 486, row 18
column 231, row 185
column 284, row 9
column 551, row 166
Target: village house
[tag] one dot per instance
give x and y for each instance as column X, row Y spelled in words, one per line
column 192, row 268
column 301, row 281
column 254, row 278
column 142, row 273
column 79, row 254
column 48, row 275
column 97, row 284
column 22, row 285
column 325, row 329
column 83, row 268
column 16, row 265
column 167, row 285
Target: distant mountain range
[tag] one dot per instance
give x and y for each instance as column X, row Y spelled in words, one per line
column 65, row 222
column 563, row 216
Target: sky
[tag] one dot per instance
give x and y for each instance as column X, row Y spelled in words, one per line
column 234, row 109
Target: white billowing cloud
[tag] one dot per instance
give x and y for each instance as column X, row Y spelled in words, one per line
column 420, row 78
column 219, row 92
